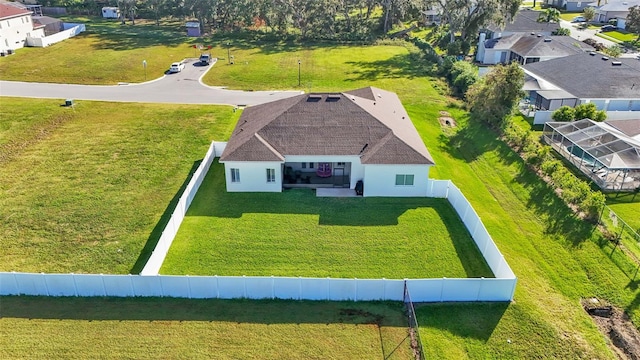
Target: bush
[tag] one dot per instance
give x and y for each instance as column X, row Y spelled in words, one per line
column 564, row 113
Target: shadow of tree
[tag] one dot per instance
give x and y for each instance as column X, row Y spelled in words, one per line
column 405, row 66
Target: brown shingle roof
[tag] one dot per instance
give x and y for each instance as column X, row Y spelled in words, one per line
column 329, row 124
column 630, row 128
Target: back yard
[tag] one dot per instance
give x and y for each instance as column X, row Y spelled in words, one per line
column 294, row 233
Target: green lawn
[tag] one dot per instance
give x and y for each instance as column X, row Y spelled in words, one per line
column 163, row 328
column 82, row 190
column 622, row 36
column 106, row 53
column 294, row 233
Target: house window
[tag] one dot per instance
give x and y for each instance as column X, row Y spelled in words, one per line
column 404, row 180
column 310, row 165
column 340, row 164
column 235, row 175
column 271, row 175
column 304, row 165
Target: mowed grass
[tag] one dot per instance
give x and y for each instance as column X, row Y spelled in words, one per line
column 83, row 190
column 164, row 328
column 294, row 233
column 106, row 53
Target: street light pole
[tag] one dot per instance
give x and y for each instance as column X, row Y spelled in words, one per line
column 228, row 53
column 298, row 72
column 144, row 65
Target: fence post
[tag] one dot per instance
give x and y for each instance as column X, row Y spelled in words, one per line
column 104, row 287
column 217, row 287
column 355, row 291
column 133, row 290
column 328, row 288
column 75, row 285
column 244, row 285
column 299, row 287
column 46, row 286
column 15, row 279
column 161, row 286
column 273, row 287
column 480, row 288
column 188, row 286
column 444, row 279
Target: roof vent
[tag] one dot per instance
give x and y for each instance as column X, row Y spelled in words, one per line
column 539, row 35
column 380, row 96
column 533, row 33
column 616, row 63
column 605, row 58
column 314, row 98
column 593, row 53
column 547, row 39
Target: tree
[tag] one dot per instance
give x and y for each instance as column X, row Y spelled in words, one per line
column 466, row 17
column 589, row 111
column 462, row 75
column 633, row 21
column 494, row 97
column 564, row 113
column 549, row 15
column 589, row 13
column 562, row 32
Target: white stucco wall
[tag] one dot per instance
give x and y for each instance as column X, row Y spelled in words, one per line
column 380, row 180
column 253, row 176
column 14, row 32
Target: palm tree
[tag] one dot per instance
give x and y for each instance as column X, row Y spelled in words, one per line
column 549, row 15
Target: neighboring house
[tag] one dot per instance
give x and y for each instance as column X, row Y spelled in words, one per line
column 571, row 5
column 431, row 17
column 15, row 26
column 611, row 84
column 50, row 25
column 615, row 9
column 608, row 153
column 328, row 140
column 525, row 21
column 527, row 48
column 193, row 28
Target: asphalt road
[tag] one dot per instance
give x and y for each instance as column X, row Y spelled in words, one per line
column 583, row 34
column 184, row 87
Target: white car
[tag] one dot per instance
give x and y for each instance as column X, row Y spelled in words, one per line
column 578, row 19
column 176, row 67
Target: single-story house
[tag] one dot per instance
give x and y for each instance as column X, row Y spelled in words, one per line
column 527, row 48
column 15, row 26
column 525, row 21
column 613, row 85
column 608, row 153
column 571, row 5
column 614, row 9
column 431, row 17
column 328, row 140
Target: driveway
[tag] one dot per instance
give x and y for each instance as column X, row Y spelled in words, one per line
column 583, row 34
column 184, row 87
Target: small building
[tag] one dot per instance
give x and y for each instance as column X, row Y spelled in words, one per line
column 193, row 28
column 608, row 153
column 614, row 9
column 328, row 140
column 50, row 25
column 109, row 12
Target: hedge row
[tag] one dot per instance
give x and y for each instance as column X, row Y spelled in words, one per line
column 573, row 191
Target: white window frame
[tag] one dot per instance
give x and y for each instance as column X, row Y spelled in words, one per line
column 404, row 179
column 271, row 175
column 235, row 175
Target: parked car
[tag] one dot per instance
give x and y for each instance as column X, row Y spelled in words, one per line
column 578, row 19
column 606, row 28
column 205, row 59
column 176, row 67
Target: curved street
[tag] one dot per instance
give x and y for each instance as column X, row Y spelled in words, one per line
column 184, row 87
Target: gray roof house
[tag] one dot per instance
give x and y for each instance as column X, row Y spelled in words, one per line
column 527, row 48
column 525, row 21
column 570, row 5
column 615, row 9
column 328, row 140
column 613, row 85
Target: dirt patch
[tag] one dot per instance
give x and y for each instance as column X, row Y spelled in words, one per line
column 616, row 326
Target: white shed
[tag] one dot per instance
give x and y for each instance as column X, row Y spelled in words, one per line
column 109, row 12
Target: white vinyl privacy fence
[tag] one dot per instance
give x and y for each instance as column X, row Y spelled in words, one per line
column 149, row 283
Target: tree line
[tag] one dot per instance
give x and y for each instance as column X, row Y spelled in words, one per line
column 317, row 19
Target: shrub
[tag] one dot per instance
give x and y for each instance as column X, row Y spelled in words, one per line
column 564, row 113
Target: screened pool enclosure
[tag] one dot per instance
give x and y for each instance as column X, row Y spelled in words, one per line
column 607, row 156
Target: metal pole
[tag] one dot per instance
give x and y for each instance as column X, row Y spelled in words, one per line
column 298, row 72
column 228, row 53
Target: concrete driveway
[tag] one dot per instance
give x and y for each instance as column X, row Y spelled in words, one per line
column 184, row 87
